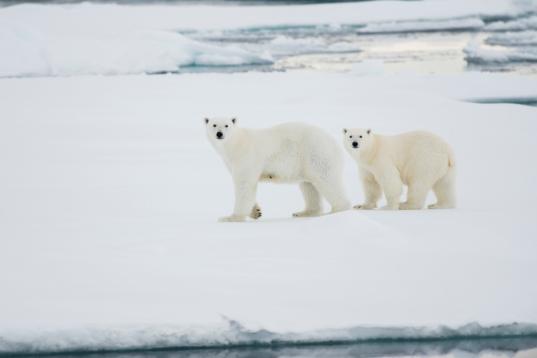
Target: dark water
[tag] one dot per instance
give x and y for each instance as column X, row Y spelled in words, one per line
column 523, row 101
column 141, row 2
column 489, row 348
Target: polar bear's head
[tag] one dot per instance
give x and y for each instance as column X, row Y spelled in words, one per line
column 357, row 139
column 220, row 129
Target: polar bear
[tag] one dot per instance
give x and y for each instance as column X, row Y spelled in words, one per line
column 420, row 160
column 286, row 153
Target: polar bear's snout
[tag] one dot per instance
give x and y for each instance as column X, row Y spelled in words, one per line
column 219, row 135
column 355, row 144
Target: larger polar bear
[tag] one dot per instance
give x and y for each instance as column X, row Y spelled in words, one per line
column 420, row 160
column 286, row 153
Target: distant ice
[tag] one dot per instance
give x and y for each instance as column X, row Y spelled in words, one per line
column 516, row 24
column 523, row 38
column 29, row 51
column 86, row 38
column 466, row 24
column 284, row 45
column 477, row 53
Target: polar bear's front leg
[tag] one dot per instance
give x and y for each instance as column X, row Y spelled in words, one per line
column 372, row 191
column 245, row 193
column 312, row 200
column 390, row 182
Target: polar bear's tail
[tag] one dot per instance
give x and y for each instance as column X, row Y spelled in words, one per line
column 451, row 158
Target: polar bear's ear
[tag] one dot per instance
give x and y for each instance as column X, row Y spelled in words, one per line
column 206, row 120
column 369, row 131
column 234, row 120
column 344, row 130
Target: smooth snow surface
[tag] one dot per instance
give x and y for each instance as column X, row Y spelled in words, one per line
column 110, row 195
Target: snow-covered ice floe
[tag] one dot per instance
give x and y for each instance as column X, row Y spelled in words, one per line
column 230, row 333
column 111, row 194
column 28, row 51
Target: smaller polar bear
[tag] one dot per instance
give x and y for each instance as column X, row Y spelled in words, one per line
column 420, row 160
column 286, row 153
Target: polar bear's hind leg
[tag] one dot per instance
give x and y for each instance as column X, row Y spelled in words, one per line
column 312, row 200
column 332, row 191
column 444, row 189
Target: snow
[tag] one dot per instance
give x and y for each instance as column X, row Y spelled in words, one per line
column 111, row 192
column 66, row 40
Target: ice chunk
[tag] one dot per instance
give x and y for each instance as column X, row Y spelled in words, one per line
column 477, row 53
column 525, row 38
column 517, row 24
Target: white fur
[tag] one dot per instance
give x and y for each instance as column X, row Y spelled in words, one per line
column 287, row 153
column 420, row 160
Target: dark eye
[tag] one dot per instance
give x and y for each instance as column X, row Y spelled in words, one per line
column 214, row 125
column 360, row 136
column 350, row 136
column 227, row 126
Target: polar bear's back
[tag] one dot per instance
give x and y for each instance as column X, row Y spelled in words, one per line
column 310, row 139
column 421, row 152
column 297, row 151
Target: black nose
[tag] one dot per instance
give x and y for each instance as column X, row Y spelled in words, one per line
column 219, row 135
column 355, row 144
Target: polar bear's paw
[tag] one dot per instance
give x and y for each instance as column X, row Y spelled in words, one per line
column 365, row 206
column 256, row 212
column 232, row 218
column 306, row 213
column 440, row 206
column 409, row 206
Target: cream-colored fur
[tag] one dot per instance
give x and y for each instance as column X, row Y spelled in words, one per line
column 420, row 160
column 287, row 153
